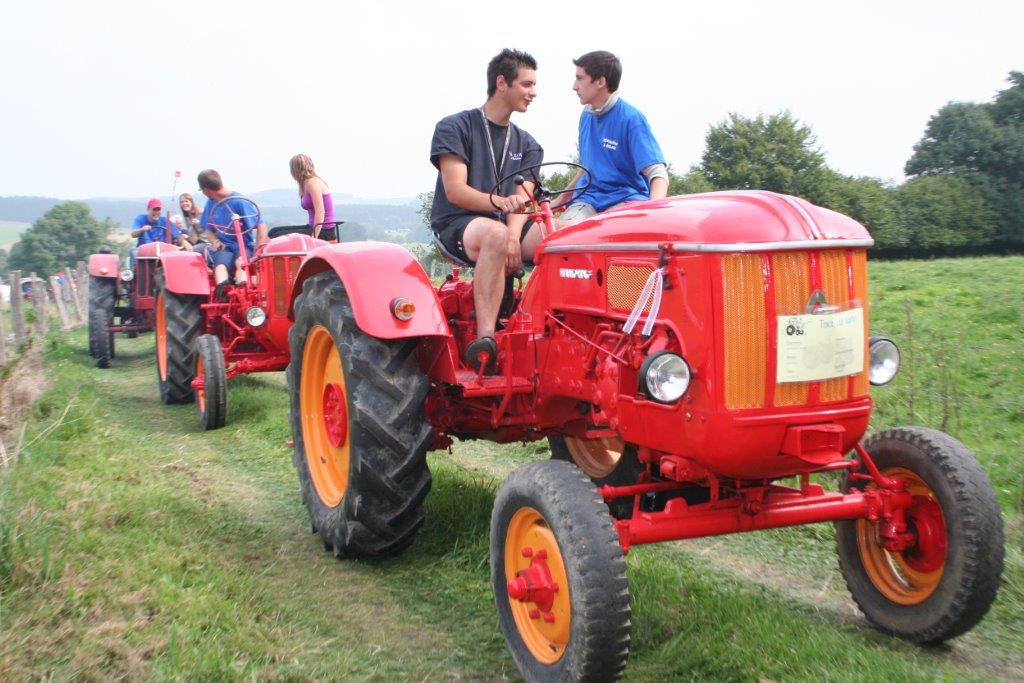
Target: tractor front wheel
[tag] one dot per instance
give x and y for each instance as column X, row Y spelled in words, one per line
column 608, row 462
column 360, row 431
column 102, row 293
column 559, row 576
column 945, row 582
column 179, row 320
column 210, row 383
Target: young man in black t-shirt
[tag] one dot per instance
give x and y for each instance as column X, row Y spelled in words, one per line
column 472, row 150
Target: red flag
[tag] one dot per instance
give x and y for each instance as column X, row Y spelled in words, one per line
column 177, row 174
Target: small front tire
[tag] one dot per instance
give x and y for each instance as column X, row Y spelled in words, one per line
column 559, row 576
column 211, row 383
column 944, row 584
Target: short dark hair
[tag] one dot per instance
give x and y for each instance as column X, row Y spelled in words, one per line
column 210, row 180
column 601, row 63
column 507, row 63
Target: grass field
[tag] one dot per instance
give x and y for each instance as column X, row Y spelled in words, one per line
column 10, row 232
column 134, row 545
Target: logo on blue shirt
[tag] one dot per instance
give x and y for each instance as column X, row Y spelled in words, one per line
column 608, row 143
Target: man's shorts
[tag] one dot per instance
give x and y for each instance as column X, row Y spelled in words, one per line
column 225, row 256
column 450, row 235
column 577, row 212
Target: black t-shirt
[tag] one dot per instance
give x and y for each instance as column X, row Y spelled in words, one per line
column 463, row 134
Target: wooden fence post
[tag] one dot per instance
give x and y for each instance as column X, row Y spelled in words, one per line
column 71, row 295
column 83, row 288
column 17, row 309
column 3, row 334
column 58, row 300
column 39, row 302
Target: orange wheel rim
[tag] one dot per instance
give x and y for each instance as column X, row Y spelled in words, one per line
column 911, row 576
column 543, row 620
column 596, row 457
column 201, row 387
column 161, row 337
column 323, row 403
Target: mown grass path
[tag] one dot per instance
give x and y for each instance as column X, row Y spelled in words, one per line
column 134, row 545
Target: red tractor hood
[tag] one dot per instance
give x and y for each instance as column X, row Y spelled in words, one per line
column 716, row 221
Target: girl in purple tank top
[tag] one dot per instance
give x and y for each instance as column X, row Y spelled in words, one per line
column 314, row 193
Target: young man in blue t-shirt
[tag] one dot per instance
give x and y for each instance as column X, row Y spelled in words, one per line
column 224, row 250
column 152, row 227
column 615, row 140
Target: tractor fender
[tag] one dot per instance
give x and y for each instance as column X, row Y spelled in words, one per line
column 374, row 275
column 103, row 265
column 185, row 272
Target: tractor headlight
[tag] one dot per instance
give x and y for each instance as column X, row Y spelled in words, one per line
column 255, row 316
column 885, row 360
column 664, row 377
column 127, row 275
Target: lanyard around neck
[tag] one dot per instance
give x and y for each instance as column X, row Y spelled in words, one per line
column 490, row 146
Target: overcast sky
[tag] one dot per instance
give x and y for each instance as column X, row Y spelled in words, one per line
column 109, row 98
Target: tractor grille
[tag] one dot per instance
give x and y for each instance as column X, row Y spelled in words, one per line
column 758, row 287
column 625, row 283
column 285, row 268
column 144, row 276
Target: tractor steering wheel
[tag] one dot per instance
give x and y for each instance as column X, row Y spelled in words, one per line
column 251, row 211
column 541, row 193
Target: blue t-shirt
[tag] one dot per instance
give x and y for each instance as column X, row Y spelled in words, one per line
column 157, row 231
column 616, row 146
column 222, row 221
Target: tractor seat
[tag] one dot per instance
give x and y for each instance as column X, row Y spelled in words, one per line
column 328, row 232
column 447, row 255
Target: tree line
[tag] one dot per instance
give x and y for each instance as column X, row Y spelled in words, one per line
column 964, row 193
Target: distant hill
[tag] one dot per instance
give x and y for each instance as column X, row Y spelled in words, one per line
column 372, row 218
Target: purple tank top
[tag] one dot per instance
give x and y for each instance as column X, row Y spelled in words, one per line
column 307, row 204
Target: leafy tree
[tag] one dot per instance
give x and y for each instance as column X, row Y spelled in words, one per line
column 3, row 263
column 64, row 235
column 945, row 211
column 869, row 202
column 982, row 143
column 692, row 182
column 774, row 153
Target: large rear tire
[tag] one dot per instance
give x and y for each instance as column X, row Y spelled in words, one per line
column 179, row 320
column 211, row 377
column 945, row 583
column 358, row 421
column 559, row 576
column 102, row 293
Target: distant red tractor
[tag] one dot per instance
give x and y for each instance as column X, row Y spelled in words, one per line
column 202, row 342
column 681, row 356
column 121, row 300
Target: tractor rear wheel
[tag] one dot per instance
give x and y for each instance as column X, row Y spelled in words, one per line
column 179, row 320
column 102, row 292
column 211, row 382
column 609, row 461
column 944, row 584
column 358, row 421
column 559, row 576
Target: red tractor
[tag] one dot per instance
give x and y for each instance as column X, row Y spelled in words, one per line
column 121, row 300
column 203, row 341
column 681, row 356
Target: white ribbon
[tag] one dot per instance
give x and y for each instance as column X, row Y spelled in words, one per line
column 653, row 287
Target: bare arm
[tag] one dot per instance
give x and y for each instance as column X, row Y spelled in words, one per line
column 659, row 188
column 564, row 197
column 455, row 178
